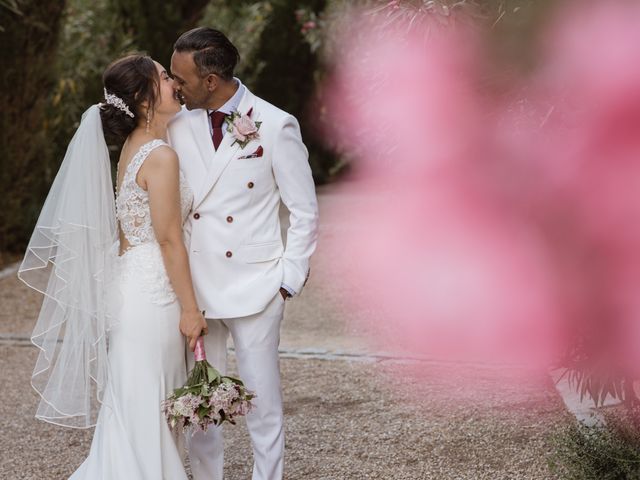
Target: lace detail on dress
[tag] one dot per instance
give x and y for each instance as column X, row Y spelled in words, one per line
column 144, row 263
column 143, row 258
column 132, row 201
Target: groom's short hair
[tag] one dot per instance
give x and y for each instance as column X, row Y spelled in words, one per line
column 212, row 51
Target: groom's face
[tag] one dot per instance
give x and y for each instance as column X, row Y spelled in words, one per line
column 191, row 88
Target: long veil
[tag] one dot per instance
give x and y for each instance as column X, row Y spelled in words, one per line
column 71, row 259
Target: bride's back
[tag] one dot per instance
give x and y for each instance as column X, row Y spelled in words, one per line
column 132, row 199
column 133, row 209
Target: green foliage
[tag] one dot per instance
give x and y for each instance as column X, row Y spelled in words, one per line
column 243, row 22
column 96, row 33
column 11, row 6
column 598, row 453
column 277, row 63
column 154, row 26
column 598, row 385
column 29, row 40
column 52, row 57
column 90, row 39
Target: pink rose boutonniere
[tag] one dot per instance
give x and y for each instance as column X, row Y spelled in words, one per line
column 242, row 128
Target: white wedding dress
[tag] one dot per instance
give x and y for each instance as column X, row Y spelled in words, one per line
column 146, row 352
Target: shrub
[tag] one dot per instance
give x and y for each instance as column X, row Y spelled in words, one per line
column 609, row 452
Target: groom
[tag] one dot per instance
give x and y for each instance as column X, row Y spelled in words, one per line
column 242, row 273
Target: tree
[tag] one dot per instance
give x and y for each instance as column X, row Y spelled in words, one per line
column 287, row 78
column 154, row 25
column 29, row 38
column 277, row 62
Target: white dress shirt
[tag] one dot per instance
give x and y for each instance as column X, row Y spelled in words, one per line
column 229, row 107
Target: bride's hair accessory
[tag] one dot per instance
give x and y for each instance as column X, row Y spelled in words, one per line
column 117, row 102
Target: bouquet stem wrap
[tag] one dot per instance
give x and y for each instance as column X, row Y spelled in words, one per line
column 199, row 352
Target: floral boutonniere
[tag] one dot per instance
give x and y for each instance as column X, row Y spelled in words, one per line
column 242, row 128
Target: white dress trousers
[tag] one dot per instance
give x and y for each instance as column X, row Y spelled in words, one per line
column 256, row 339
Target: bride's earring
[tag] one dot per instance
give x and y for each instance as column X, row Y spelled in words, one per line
column 148, row 121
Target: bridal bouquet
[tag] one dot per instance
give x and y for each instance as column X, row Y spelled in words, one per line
column 207, row 398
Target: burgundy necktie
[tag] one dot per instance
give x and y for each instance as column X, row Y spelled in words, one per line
column 217, row 120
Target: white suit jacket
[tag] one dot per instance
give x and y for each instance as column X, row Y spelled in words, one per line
column 236, row 253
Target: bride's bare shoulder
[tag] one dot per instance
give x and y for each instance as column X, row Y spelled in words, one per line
column 162, row 157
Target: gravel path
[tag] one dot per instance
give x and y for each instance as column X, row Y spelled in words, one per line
column 345, row 420
column 346, row 417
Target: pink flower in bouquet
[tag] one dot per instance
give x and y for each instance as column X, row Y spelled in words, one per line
column 228, row 398
column 243, row 408
column 224, row 396
column 184, row 407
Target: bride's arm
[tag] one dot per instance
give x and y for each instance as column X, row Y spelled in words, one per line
column 160, row 176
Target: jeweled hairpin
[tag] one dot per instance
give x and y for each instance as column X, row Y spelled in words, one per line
column 117, row 102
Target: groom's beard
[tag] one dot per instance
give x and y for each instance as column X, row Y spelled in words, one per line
column 194, row 103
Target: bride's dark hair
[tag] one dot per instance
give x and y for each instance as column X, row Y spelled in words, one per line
column 134, row 79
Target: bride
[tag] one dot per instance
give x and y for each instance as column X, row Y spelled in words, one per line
column 116, row 280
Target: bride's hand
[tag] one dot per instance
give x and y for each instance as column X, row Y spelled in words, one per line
column 193, row 325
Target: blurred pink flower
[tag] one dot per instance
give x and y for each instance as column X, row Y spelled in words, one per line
column 497, row 229
column 454, row 266
column 592, row 63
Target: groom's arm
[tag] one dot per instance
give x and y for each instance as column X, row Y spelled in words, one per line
column 297, row 190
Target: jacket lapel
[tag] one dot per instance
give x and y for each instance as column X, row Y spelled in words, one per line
column 200, row 129
column 226, row 151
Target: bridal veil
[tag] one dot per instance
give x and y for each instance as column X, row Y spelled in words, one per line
column 71, row 259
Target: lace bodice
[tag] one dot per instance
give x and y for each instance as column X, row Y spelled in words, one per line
column 132, row 201
column 143, row 259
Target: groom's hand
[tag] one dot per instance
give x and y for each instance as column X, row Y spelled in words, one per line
column 193, row 325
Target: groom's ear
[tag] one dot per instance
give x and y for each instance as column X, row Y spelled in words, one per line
column 212, row 81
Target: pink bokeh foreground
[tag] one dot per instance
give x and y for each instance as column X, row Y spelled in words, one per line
column 503, row 224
